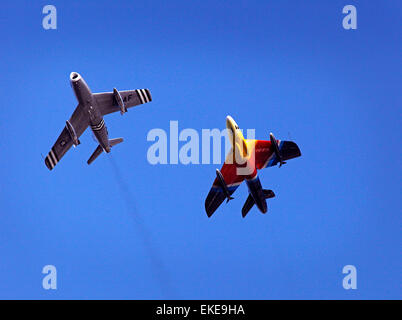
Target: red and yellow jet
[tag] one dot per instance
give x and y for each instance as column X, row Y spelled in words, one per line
column 244, row 159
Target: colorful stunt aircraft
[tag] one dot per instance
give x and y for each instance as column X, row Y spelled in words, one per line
column 245, row 157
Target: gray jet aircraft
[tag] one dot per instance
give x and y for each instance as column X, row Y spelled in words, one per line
column 89, row 112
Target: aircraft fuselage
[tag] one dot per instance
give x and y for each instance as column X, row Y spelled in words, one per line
column 88, row 102
column 243, row 152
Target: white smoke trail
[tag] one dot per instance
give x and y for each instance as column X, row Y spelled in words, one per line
column 158, row 267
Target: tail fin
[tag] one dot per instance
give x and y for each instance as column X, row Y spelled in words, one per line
column 99, row 149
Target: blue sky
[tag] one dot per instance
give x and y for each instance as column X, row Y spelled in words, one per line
column 125, row 229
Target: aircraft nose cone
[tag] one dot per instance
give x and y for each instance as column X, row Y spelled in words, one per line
column 229, row 120
column 230, row 123
column 74, row 76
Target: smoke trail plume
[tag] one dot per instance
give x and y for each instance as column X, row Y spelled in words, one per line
column 157, row 264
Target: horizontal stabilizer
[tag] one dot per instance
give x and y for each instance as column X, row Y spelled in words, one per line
column 247, row 205
column 268, row 193
column 113, row 142
column 250, row 201
column 99, row 149
column 96, row 154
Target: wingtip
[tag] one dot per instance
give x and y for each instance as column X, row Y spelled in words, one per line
column 47, row 163
column 149, row 95
column 208, row 212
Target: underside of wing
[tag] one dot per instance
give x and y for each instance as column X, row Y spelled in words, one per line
column 108, row 103
column 217, row 193
column 264, row 154
column 79, row 121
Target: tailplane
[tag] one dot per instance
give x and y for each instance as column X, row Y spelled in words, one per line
column 99, row 149
column 113, row 142
column 96, row 154
column 250, row 201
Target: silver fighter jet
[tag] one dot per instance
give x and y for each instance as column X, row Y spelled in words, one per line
column 89, row 112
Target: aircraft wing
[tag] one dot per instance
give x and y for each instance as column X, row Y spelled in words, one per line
column 131, row 98
column 80, row 121
column 264, row 154
column 216, row 195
